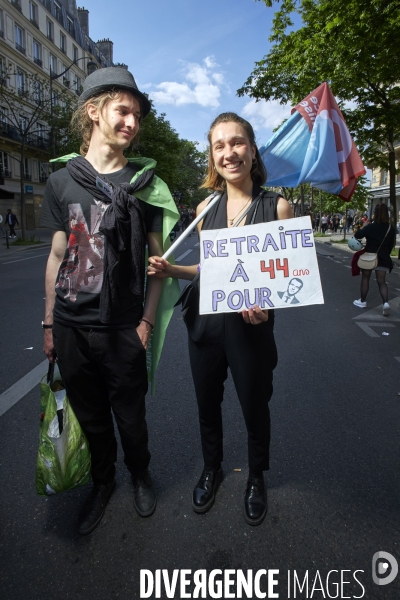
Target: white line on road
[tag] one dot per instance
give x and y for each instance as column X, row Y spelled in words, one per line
column 21, row 259
column 397, row 358
column 22, row 387
column 347, row 266
column 371, row 332
column 182, row 256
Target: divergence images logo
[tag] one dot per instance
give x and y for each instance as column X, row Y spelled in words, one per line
column 384, row 564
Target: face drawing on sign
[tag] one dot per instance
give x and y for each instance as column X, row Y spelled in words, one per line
column 294, row 287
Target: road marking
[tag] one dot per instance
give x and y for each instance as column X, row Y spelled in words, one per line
column 198, row 244
column 182, row 256
column 22, row 387
column 21, row 259
column 397, row 358
column 371, row 332
column 347, row 266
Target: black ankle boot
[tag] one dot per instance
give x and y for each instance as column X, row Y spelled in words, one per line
column 206, row 488
column 144, row 496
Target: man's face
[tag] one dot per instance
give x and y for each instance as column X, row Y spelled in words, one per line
column 294, row 287
column 119, row 121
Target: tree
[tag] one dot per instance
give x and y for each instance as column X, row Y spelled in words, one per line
column 351, row 44
column 26, row 106
column 179, row 163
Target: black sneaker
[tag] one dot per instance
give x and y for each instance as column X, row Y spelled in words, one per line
column 94, row 507
column 255, row 501
column 206, row 488
column 144, row 496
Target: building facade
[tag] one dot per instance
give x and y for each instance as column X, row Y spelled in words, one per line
column 38, row 40
column 379, row 191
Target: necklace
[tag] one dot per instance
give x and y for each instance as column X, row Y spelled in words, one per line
column 230, row 221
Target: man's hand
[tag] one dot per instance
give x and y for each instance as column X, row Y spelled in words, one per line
column 48, row 346
column 144, row 332
column 255, row 315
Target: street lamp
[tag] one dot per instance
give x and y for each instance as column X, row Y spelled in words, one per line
column 91, row 67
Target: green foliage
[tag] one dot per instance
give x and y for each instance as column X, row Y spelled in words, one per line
column 179, row 163
column 354, row 46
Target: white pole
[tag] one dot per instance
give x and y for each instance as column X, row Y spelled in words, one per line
column 187, row 231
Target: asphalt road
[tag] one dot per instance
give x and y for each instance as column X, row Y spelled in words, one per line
column 333, row 485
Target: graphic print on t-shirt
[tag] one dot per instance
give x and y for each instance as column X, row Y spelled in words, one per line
column 82, row 267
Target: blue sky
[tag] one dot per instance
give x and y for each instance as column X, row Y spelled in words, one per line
column 191, row 57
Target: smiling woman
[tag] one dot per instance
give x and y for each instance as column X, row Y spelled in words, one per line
column 243, row 341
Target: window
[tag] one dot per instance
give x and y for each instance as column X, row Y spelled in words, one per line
column 3, row 115
column 57, row 12
column 23, row 122
column 50, row 29
column 3, row 72
column 77, row 86
column 37, row 91
column 384, row 177
column 53, row 65
column 4, row 165
column 19, row 38
column 33, row 13
column 20, row 82
column 27, row 175
column 42, row 172
column 1, row 23
column 75, row 52
column 66, row 76
column 37, row 53
column 63, row 43
column 54, row 100
column 70, row 26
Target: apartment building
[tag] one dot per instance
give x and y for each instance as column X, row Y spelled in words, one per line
column 40, row 39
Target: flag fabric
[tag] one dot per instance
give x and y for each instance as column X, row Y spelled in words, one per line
column 314, row 146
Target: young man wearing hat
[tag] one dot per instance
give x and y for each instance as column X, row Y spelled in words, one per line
column 103, row 210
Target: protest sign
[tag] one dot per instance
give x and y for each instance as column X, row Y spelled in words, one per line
column 271, row 265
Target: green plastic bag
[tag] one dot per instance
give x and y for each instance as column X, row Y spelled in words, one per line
column 63, row 459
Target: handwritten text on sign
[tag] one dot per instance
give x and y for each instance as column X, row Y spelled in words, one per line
column 271, row 265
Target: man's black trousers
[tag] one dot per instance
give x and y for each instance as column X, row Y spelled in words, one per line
column 104, row 371
column 250, row 353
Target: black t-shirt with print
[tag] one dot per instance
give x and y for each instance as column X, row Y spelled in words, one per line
column 68, row 207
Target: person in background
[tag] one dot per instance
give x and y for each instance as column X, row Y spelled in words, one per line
column 381, row 238
column 11, row 221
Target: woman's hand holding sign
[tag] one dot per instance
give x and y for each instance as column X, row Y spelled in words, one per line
column 255, row 315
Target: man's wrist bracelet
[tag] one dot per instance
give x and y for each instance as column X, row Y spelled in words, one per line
column 46, row 326
column 148, row 323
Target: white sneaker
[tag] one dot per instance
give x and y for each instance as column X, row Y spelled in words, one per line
column 386, row 309
column 360, row 304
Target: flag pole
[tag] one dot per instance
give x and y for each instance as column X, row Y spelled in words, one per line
column 187, row 231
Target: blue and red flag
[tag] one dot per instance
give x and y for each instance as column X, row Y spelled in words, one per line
column 314, row 146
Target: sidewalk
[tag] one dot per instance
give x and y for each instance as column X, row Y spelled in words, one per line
column 41, row 233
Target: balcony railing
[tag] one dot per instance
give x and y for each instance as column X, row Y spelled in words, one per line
column 50, row 37
column 22, row 92
column 38, row 62
column 42, row 178
column 27, row 177
column 1, row 34
column 32, row 139
column 4, row 172
column 20, row 48
column 35, row 23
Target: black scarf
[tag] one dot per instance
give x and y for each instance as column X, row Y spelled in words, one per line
column 123, row 228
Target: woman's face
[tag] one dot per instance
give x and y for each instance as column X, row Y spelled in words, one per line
column 232, row 152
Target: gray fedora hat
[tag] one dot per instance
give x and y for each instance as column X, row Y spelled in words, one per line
column 112, row 78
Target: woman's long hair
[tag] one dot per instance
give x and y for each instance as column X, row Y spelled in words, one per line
column 381, row 214
column 213, row 180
